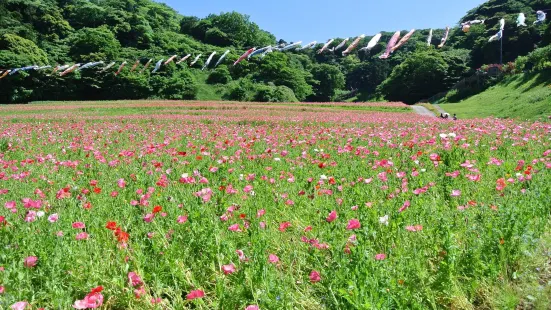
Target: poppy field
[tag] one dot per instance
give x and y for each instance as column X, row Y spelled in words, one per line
column 211, row 205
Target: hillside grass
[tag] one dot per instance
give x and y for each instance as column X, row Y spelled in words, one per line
column 523, row 96
column 208, row 92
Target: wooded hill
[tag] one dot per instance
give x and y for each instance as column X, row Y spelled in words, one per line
column 41, row 32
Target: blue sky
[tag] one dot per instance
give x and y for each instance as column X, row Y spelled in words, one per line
column 309, row 20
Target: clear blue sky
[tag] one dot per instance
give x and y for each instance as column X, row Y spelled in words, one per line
column 309, row 20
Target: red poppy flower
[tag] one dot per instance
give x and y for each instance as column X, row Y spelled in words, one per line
column 96, row 290
column 111, row 225
column 157, row 209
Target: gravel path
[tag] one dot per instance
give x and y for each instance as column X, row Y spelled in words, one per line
column 422, row 111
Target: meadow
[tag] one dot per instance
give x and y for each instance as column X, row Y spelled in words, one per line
column 221, row 205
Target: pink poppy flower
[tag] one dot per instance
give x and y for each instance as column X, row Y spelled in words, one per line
column 195, row 294
column 248, row 188
column 260, row 213
column 241, row 255
column 134, row 279
column 308, row 228
column 149, row 217
column 2, row 289
column 262, row 225
column 414, row 228
column 283, row 226
column 79, row 225
column 252, row 307
column 353, row 224
column 30, row 217
column 121, row 183
column 332, row 216
column 380, row 257
column 91, row 301
column 157, row 300
column 81, row 236
column 235, row 228
column 139, row 292
column 272, row 258
column 182, row 219
column 456, row 193
column 406, row 205
column 10, row 205
column 315, row 276
column 30, row 261
column 20, row 305
column 53, row 218
column 228, row 269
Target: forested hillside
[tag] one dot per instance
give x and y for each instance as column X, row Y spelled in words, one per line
column 50, row 32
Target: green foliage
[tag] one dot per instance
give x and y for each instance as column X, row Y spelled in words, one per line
column 539, row 59
column 417, row 78
column 270, row 93
column 328, row 79
column 94, row 44
column 21, row 48
column 240, row 91
column 518, row 41
column 226, row 29
column 221, row 75
column 276, row 68
column 181, row 86
column 368, row 75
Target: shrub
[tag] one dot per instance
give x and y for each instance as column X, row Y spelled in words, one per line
column 539, row 59
column 220, row 76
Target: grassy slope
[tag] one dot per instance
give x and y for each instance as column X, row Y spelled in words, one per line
column 208, row 92
column 523, row 96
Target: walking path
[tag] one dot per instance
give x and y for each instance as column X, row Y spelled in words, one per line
column 422, row 111
column 439, row 109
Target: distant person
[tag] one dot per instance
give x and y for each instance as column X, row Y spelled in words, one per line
column 441, row 115
column 455, row 117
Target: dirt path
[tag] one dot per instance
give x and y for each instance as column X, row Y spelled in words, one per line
column 422, row 111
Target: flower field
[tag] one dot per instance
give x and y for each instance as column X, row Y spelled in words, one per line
column 177, row 205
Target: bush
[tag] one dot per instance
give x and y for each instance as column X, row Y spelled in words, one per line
column 180, row 86
column 219, row 76
column 268, row 93
column 539, row 59
column 240, row 91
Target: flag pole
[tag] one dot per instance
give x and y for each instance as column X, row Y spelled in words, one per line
column 501, row 50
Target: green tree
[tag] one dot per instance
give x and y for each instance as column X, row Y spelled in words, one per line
column 22, row 52
column 368, row 75
column 328, row 79
column 240, row 30
column 417, row 78
column 90, row 44
column 275, row 68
